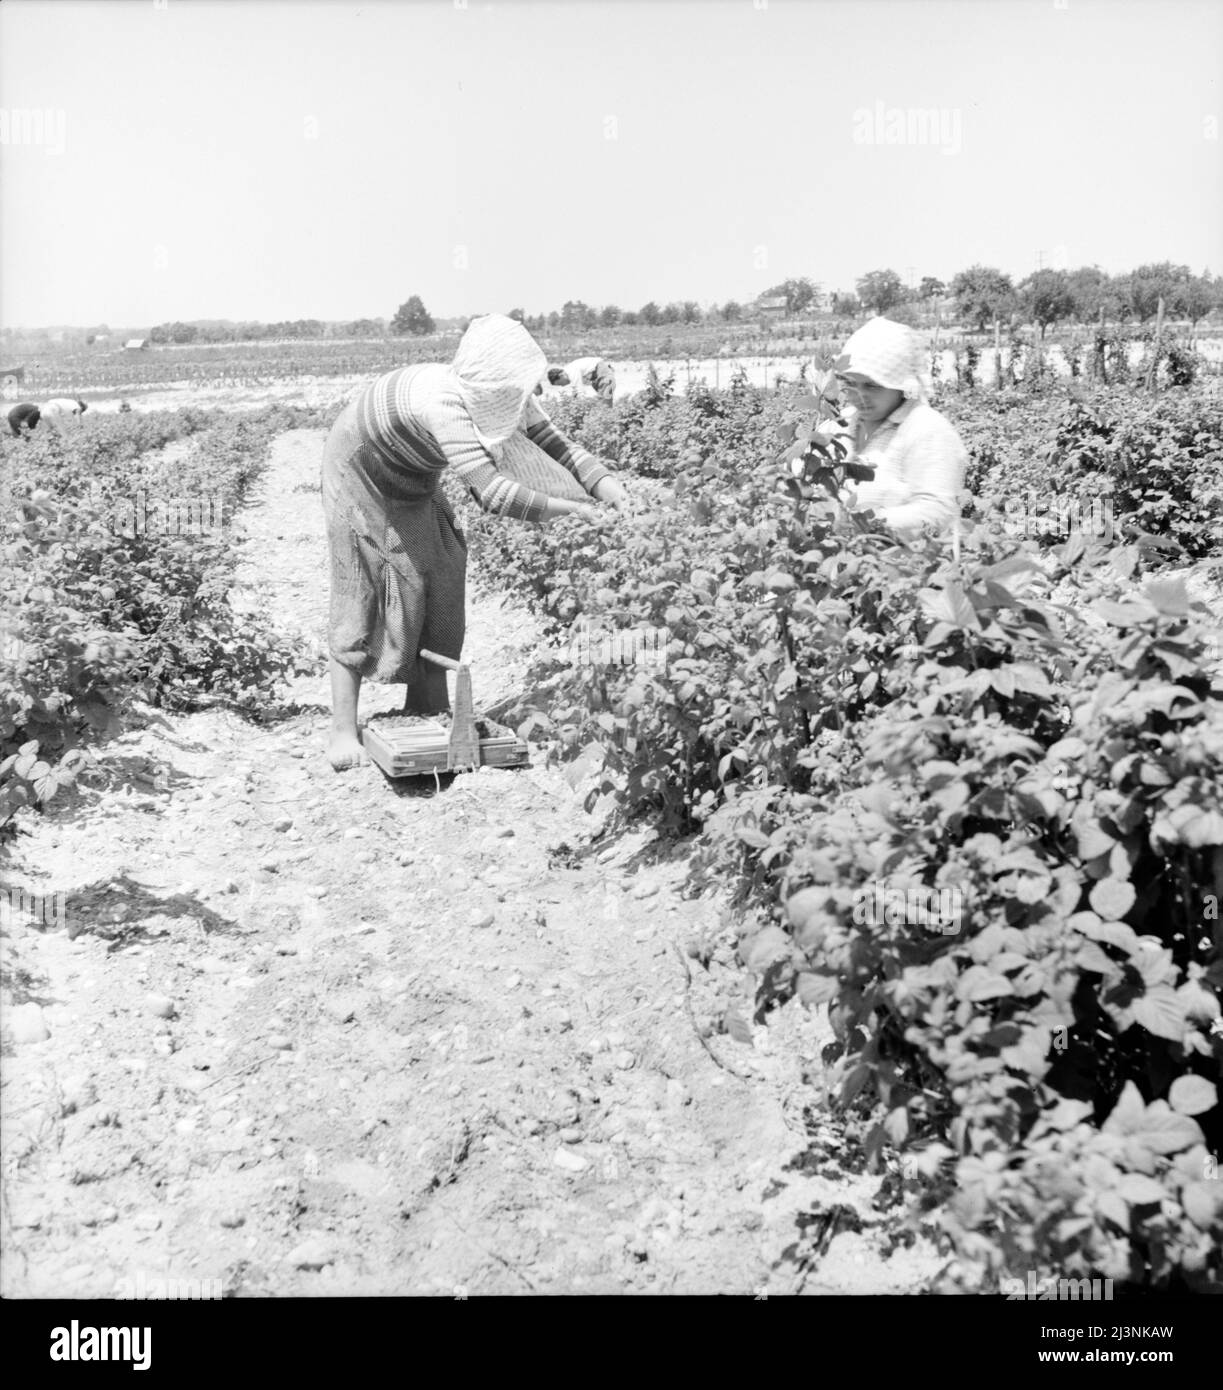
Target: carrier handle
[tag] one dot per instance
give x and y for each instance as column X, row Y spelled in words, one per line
column 448, row 662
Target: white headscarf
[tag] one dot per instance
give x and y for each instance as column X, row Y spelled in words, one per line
column 887, row 352
column 498, row 366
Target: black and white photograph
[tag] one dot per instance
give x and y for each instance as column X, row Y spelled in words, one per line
column 611, row 665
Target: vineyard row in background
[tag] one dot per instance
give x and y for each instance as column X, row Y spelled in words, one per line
column 98, row 371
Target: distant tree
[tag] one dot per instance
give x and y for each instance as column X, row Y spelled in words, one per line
column 629, row 318
column 576, row 316
column 610, row 316
column 982, row 293
column 731, row 311
column 1088, row 287
column 1151, row 283
column 845, row 303
column 412, row 318
column 904, row 313
column 800, row 294
column 174, row 333
column 671, row 312
column 930, row 288
column 1119, row 298
column 363, row 328
column 1198, row 296
column 690, row 311
column 518, row 315
column 650, row 314
column 880, row 289
column 1046, row 298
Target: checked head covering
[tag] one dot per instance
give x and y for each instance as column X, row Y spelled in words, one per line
column 498, row 366
column 887, row 352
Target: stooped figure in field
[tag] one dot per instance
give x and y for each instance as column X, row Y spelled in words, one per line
column 555, row 377
column 592, row 374
column 918, row 457
column 23, row 418
column 398, row 557
column 63, row 408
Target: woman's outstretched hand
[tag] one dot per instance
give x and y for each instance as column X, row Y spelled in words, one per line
column 612, row 491
column 558, row 507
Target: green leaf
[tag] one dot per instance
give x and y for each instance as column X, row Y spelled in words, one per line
column 779, row 581
column 1201, row 1005
column 1091, row 957
column 813, row 989
column 1166, row 1132
column 1140, row 1191
column 1066, row 1114
column 1168, row 597
column 1112, row 898
column 1091, row 839
column 1194, row 826
column 1030, row 679
column 1066, row 750
column 1119, row 934
column 978, row 984
column 1202, row 1202
column 757, row 839
column 760, row 950
column 896, row 1125
column 1160, row 1012
column 1123, row 614
column 1192, row 1095
column 950, row 605
column 1110, row 1205
column 1128, row 1113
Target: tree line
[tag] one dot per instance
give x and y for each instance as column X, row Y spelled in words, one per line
column 977, row 296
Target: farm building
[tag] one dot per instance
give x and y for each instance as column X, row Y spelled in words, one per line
column 135, row 344
column 772, row 308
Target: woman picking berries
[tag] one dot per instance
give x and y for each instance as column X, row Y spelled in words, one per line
column 398, row 557
column 918, row 457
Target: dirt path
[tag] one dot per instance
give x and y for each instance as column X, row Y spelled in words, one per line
column 311, row 1034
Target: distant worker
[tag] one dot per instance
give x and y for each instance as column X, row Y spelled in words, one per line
column 22, row 418
column 556, row 377
column 63, row 407
column 595, row 374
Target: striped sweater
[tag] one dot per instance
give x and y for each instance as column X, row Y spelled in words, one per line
column 416, row 425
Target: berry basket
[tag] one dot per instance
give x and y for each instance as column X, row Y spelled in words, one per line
column 411, row 746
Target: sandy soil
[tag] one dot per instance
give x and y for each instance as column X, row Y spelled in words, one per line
column 303, row 1033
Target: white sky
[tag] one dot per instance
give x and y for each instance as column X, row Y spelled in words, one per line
column 278, row 159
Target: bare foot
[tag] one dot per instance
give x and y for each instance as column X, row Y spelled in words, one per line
column 345, row 751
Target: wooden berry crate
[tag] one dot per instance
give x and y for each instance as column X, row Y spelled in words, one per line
column 411, row 746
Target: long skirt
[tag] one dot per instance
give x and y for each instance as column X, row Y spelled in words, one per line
column 398, row 572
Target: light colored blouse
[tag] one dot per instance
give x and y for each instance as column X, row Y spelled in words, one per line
column 919, row 461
